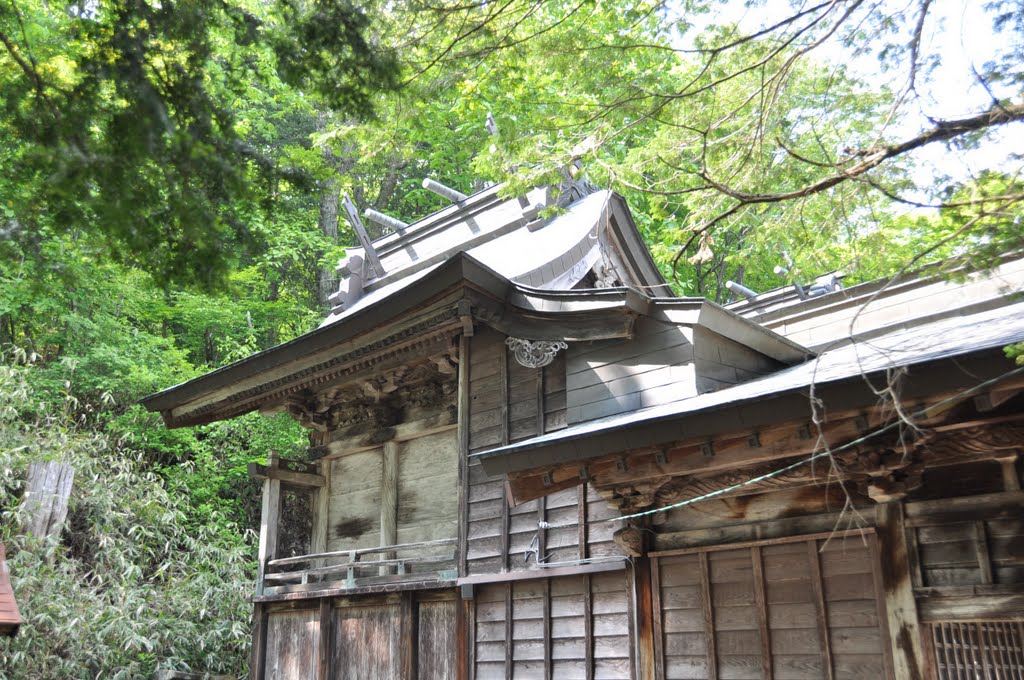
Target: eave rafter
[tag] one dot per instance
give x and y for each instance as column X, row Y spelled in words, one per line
column 883, row 466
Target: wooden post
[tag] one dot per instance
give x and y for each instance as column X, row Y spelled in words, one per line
column 645, row 614
column 908, row 656
column 389, row 501
column 321, row 512
column 323, row 667
column 269, row 519
column 258, row 655
column 463, row 434
column 1011, row 480
column 46, row 498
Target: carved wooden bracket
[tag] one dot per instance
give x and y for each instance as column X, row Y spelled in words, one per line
column 885, row 472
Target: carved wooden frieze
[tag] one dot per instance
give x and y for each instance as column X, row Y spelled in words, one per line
column 379, row 402
column 887, row 471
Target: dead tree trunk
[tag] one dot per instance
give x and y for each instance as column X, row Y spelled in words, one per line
column 46, row 498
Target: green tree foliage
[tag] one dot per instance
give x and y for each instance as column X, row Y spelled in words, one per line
column 119, row 119
column 132, row 582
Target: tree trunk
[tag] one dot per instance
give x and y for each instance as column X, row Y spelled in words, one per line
column 327, row 281
column 46, row 498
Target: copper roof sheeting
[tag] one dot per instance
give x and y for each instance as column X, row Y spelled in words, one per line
column 10, row 619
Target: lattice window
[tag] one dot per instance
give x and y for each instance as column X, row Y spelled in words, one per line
column 986, row 650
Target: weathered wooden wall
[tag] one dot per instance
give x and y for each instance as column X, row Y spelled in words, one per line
column 427, row 493
column 408, row 636
column 722, row 362
column 293, row 636
column 796, row 609
column 571, row 627
column 616, row 376
column 507, row 402
column 660, row 364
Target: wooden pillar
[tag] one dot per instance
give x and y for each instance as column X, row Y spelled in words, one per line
column 905, row 631
column 321, row 511
column 323, row 666
column 269, row 519
column 645, row 615
column 463, row 434
column 1011, row 480
column 389, row 501
column 258, row 655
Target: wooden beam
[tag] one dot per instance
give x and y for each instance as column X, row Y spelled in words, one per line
column 324, row 648
column 388, row 500
column 270, row 516
column 306, row 479
column 463, row 437
column 646, row 615
column 908, row 655
column 321, row 512
column 258, row 655
column 821, row 610
column 876, row 460
column 408, row 616
column 761, row 605
column 362, row 235
column 687, row 458
column 1008, row 463
column 969, row 603
column 711, row 653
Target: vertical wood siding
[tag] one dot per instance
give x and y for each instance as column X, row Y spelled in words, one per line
column 367, row 642
column 292, row 638
column 509, row 402
column 572, row 627
column 791, row 610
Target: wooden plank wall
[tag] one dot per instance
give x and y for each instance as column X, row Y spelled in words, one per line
column 977, row 552
column 428, row 488
column 797, row 609
column 509, row 402
column 427, row 493
column 722, row 362
column 412, row 636
column 616, row 376
column 291, row 638
column 354, row 505
column 570, row 627
column 367, row 642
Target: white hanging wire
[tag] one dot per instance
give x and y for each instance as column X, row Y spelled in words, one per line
column 792, row 466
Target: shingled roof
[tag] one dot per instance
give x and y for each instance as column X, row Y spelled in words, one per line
column 10, row 619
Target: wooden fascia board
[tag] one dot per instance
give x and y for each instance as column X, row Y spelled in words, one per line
column 733, row 326
column 571, row 316
column 308, row 349
column 923, row 380
column 636, row 252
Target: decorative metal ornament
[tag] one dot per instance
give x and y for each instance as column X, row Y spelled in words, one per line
column 535, row 353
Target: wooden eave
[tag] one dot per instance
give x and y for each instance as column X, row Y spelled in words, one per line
column 417, row 318
column 730, row 435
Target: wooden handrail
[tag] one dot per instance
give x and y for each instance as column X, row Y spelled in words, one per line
column 424, row 559
column 361, row 551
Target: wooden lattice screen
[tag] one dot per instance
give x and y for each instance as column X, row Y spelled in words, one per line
column 986, row 650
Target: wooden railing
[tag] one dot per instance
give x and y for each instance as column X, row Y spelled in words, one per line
column 423, row 561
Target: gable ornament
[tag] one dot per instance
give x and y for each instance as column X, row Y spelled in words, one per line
column 535, row 353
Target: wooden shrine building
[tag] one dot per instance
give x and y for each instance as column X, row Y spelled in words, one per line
column 528, row 460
